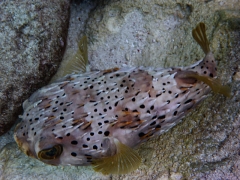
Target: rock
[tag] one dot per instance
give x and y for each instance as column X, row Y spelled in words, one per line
column 33, row 36
column 158, row 33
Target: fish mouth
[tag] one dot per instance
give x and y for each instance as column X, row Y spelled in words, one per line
column 22, row 144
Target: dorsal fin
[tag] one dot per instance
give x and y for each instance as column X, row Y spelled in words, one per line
column 124, row 161
column 78, row 62
column 199, row 34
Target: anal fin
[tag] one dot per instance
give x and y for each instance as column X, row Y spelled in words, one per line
column 124, row 161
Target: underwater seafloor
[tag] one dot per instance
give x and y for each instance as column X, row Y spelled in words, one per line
column 205, row 145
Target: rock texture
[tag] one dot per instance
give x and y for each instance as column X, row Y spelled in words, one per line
column 206, row 145
column 33, row 37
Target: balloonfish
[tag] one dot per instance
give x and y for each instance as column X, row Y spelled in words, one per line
column 97, row 118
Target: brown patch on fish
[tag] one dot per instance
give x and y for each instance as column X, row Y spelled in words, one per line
column 86, row 125
column 184, row 81
column 110, row 70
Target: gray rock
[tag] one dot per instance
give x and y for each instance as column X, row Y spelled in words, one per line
column 33, row 38
column 206, row 145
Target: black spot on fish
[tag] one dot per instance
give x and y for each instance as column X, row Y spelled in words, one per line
column 158, row 126
column 141, row 134
column 74, row 142
column 85, row 146
column 175, row 113
column 91, row 133
column 106, row 133
column 137, row 93
column 74, row 154
column 188, row 101
column 154, row 117
column 161, row 117
column 211, row 75
column 95, row 147
column 142, row 106
column 153, row 123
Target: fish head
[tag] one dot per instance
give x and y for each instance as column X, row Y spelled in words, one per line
column 55, row 146
column 41, row 146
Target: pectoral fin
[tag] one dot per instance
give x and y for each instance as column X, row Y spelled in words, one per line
column 124, row 161
column 214, row 83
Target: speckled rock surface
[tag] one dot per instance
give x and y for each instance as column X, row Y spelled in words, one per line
column 206, row 145
column 33, row 36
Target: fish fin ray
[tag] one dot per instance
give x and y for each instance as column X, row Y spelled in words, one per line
column 78, row 62
column 124, row 161
column 214, row 84
column 199, row 34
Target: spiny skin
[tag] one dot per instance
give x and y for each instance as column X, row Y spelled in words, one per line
column 85, row 112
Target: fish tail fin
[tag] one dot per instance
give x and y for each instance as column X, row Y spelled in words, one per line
column 124, row 161
column 199, row 34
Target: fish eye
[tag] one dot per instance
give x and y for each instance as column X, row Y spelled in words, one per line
column 50, row 153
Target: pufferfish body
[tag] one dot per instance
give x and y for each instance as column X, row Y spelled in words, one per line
column 96, row 118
